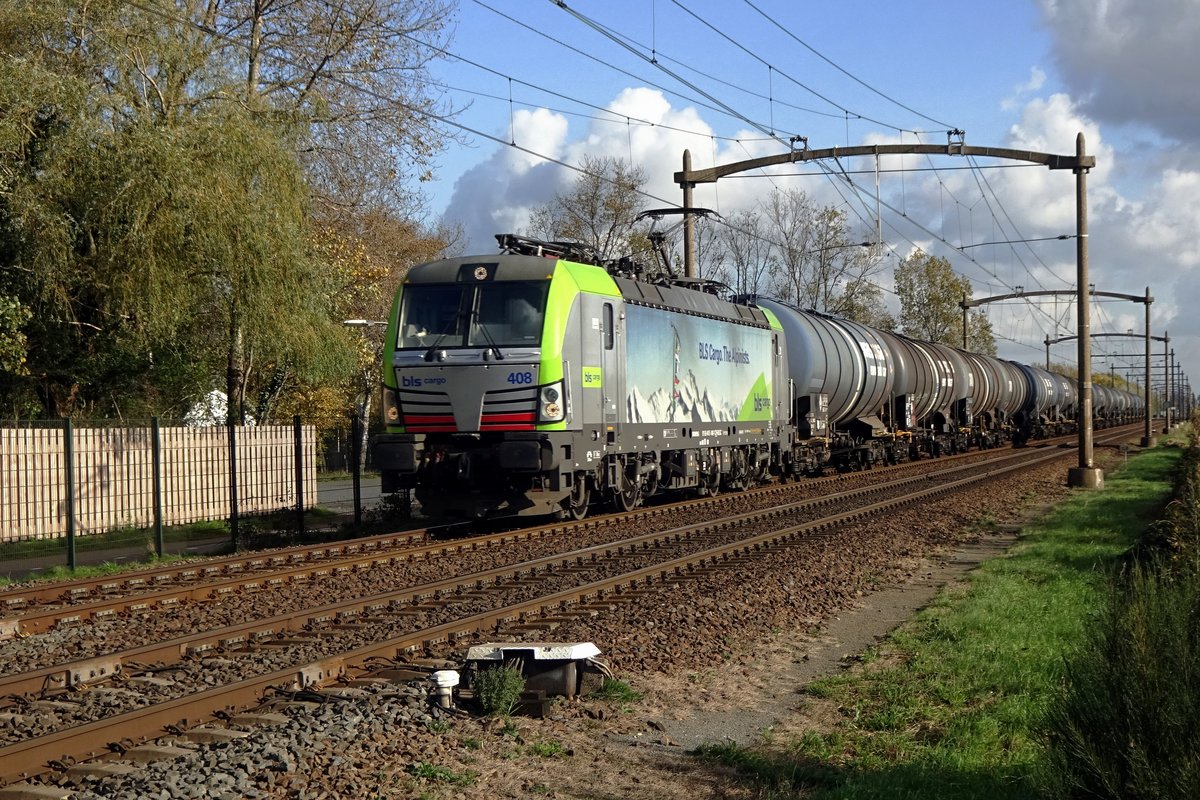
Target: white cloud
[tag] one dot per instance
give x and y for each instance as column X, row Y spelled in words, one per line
column 1131, row 61
column 1037, row 79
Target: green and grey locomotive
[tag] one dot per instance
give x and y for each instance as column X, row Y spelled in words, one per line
column 534, row 382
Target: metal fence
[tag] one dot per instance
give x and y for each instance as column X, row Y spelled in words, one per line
column 64, row 481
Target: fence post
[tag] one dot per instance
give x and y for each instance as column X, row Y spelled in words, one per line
column 69, row 458
column 356, row 470
column 299, row 446
column 233, row 492
column 156, row 462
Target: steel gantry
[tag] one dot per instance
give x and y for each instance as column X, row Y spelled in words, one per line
column 1148, row 435
column 1087, row 474
column 1148, row 439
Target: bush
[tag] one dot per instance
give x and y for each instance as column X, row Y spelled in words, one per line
column 498, row 690
column 1126, row 725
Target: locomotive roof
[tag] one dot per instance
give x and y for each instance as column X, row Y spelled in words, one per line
column 522, row 267
column 507, row 268
column 689, row 301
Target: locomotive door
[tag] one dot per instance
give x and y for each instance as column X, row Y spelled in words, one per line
column 611, row 359
column 601, row 372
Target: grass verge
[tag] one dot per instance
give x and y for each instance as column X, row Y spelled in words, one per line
column 953, row 704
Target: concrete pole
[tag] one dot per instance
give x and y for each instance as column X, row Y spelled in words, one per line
column 689, row 224
column 1148, row 433
column 1166, row 383
column 1087, row 475
column 1175, row 404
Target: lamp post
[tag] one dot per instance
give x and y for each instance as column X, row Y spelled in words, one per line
column 362, row 409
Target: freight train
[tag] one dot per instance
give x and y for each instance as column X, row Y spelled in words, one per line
column 540, row 381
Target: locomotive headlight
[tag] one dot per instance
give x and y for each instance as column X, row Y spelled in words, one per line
column 549, row 407
column 391, row 407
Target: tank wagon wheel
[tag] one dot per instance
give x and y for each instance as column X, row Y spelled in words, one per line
column 581, row 496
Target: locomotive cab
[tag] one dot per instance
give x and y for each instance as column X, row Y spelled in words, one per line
column 476, row 382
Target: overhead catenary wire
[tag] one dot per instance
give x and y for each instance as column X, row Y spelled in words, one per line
column 450, row 122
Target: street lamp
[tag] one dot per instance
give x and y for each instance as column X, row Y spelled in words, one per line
column 360, row 423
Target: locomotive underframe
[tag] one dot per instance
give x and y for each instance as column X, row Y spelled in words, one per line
column 533, row 474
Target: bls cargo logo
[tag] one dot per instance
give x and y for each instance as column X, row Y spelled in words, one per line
column 410, row 382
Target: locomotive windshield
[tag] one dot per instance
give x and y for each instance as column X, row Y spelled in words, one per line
column 492, row 314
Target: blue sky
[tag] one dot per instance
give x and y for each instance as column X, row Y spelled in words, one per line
column 1021, row 73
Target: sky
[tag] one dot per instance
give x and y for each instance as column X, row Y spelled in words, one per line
column 537, row 84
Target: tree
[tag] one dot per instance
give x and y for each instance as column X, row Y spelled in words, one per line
column 742, row 253
column 814, row 263
column 599, row 210
column 141, row 231
column 161, row 166
column 930, row 296
column 369, row 263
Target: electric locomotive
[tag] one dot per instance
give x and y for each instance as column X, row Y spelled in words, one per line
column 537, row 381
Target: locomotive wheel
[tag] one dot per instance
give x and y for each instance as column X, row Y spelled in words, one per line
column 581, row 495
column 626, row 496
column 735, row 480
column 710, row 484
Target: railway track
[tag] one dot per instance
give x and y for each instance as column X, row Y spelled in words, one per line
column 167, row 683
column 36, row 608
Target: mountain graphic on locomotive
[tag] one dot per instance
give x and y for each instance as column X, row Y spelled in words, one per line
column 539, row 381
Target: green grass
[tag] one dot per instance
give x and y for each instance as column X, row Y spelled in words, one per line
column 547, row 749
column 615, row 690
column 434, row 773
column 955, row 704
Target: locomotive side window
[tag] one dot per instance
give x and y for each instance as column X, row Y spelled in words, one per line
column 608, row 327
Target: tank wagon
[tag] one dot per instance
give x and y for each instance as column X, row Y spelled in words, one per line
column 539, row 381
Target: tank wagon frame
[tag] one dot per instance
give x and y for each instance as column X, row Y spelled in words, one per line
column 538, row 381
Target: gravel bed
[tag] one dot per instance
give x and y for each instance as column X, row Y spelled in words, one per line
column 681, row 631
column 691, row 646
column 92, row 638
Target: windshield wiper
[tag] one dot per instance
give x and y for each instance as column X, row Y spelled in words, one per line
column 473, row 316
column 483, row 329
column 451, row 327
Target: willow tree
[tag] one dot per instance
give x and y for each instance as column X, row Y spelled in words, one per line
column 161, row 184
column 147, row 229
column 930, row 296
